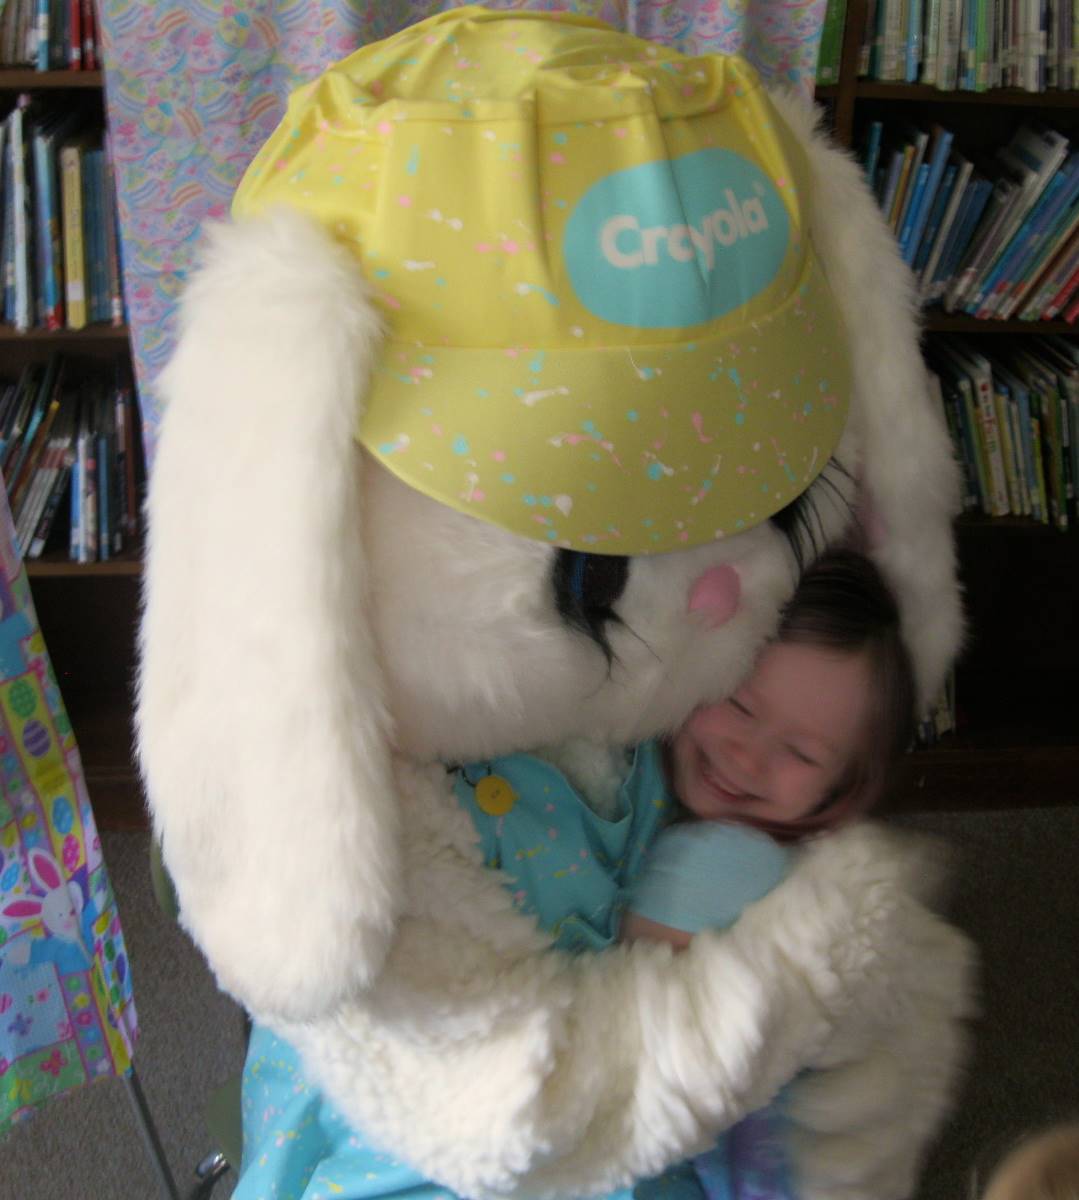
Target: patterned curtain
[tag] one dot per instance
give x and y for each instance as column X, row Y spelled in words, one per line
column 195, row 86
column 67, row 1014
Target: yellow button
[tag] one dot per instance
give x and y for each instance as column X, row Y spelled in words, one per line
column 495, row 795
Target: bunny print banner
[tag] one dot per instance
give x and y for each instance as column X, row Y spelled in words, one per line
column 194, row 89
column 67, row 1015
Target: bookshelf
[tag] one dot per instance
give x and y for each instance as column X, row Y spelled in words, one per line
column 88, row 612
column 1018, row 697
column 1017, row 741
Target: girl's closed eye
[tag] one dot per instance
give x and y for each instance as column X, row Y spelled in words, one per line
column 739, row 707
column 802, row 756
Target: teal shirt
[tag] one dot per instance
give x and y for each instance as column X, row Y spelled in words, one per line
column 565, row 865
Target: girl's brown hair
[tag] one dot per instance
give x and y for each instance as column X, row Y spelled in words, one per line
column 842, row 603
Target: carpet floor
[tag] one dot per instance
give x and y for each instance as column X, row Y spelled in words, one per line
column 1015, row 893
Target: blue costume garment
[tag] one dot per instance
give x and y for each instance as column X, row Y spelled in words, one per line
column 701, row 875
column 574, row 871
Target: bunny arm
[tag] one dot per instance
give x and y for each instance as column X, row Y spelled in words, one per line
column 498, row 1071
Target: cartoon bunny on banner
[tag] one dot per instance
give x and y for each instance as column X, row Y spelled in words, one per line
column 534, row 363
column 67, row 1012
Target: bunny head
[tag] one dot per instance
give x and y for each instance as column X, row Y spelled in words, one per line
column 445, row 472
column 59, row 909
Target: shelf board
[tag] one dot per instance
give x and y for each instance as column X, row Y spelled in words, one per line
column 23, row 79
column 62, row 337
column 961, row 777
column 58, row 565
column 926, row 93
column 940, row 322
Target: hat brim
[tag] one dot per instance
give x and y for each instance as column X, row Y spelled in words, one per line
column 578, row 447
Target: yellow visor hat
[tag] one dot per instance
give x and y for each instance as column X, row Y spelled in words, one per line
column 608, row 329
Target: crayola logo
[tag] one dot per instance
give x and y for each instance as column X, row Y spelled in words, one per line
column 676, row 243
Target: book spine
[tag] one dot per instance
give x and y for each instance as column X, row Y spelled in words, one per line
column 74, row 248
column 998, row 273
column 1062, row 296
column 1007, row 452
column 931, row 42
column 912, row 207
column 74, row 39
column 941, row 203
column 913, row 49
column 1055, row 241
column 52, row 507
column 831, row 42
column 994, row 452
column 21, row 231
column 89, row 36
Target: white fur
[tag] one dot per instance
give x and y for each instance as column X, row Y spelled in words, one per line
column 905, row 458
column 315, row 632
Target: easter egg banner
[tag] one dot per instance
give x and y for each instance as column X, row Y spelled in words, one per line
column 67, row 1013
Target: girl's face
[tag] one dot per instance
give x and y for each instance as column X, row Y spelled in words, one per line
column 775, row 750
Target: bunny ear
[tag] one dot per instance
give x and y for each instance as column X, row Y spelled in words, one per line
column 261, row 727
column 45, row 871
column 22, row 909
column 909, row 478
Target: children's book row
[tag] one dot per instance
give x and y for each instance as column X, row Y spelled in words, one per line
column 61, row 244
column 70, row 452
column 1013, row 415
column 994, row 237
column 961, row 45
column 49, row 35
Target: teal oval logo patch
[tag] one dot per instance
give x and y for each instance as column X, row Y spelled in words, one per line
column 676, row 242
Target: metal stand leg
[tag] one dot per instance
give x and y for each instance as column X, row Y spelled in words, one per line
column 149, row 1136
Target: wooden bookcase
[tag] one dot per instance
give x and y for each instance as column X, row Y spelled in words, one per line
column 87, row 613
column 1018, row 680
column 1018, row 677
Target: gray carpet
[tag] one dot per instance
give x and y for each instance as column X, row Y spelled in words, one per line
column 1015, row 893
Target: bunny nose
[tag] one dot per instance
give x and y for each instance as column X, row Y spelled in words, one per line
column 716, row 594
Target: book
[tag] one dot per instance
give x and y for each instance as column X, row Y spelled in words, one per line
column 931, row 42
column 1054, row 241
column 966, row 222
column 919, row 140
column 937, row 153
column 963, row 360
column 24, row 464
column 831, row 42
column 1002, row 406
column 112, row 246
column 950, row 403
column 21, row 223
column 1061, row 297
column 948, row 45
column 963, row 168
column 871, row 155
column 1003, row 193
column 44, row 498
column 890, row 181
column 1045, row 400
column 71, row 190
column 913, row 49
column 1028, row 445
column 1063, row 190
column 898, row 200
column 1052, row 279
column 1033, row 156
column 910, row 208
column 19, row 419
column 933, row 221
column 958, row 394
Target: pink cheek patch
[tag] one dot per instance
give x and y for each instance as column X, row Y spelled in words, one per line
column 716, row 594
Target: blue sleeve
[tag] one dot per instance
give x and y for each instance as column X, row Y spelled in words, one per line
column 702, row 874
